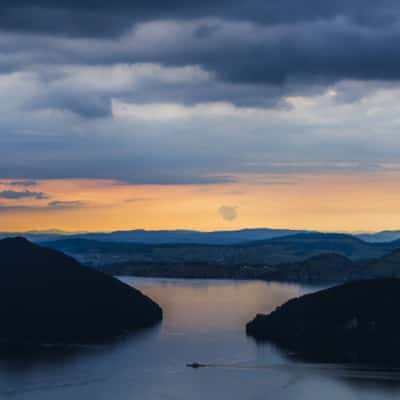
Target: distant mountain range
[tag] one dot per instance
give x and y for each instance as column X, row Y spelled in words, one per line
column 186, row 236
column 298, row 257
column 288, row 249
column 245, row 254
column 161, row 237
column 379, row 237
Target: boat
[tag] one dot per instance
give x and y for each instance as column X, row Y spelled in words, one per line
column 196, row 365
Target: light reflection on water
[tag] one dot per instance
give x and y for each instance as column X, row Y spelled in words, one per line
column 203, row 321
column 213, row 305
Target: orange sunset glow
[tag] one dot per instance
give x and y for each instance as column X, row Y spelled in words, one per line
column 330, row 202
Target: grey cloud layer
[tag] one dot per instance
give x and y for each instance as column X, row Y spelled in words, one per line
column 52, row 206
column 196, row 92
column 236, row 51
column 26, row 194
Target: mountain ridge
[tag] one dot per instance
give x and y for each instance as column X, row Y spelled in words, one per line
column 272, row 252
column 191, row 236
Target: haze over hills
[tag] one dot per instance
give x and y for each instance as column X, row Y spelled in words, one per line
column 162, row 236
column 383, row 236
column 183, row 236
column 38, row 236
column 287, row 249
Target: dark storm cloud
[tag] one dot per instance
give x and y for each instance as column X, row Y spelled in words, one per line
column 247, row 42
column 92, row 17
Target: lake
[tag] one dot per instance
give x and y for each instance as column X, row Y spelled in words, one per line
column 204, row 320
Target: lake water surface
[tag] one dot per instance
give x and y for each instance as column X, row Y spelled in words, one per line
column 203, row 321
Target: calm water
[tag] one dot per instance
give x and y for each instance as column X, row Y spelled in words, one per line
column 204, row 321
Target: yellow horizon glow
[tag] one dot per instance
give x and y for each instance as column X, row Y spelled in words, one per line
column 325, row 202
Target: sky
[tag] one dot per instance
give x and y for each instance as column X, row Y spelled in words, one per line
column 199, row 115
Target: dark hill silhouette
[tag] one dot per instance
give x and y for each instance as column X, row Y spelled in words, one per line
column 386, row 266
column 46, row 296
column 353, row 322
